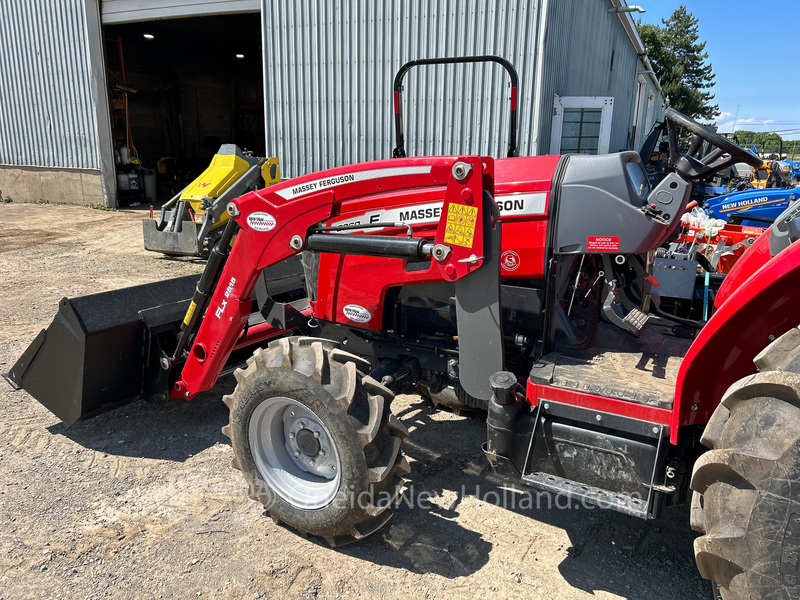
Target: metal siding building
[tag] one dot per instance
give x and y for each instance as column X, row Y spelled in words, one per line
column 45, row 86
column 328, row 71
column 588, row 53
column 51, row 102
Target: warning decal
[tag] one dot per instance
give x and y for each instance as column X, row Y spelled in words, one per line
column 461, row 225
column 602, row 243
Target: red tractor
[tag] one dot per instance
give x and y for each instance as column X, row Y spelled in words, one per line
column 523, row 286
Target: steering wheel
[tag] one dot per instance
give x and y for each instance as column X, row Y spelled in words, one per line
column 696, row 163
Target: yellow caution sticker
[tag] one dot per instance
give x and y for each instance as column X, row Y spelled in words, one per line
column 189, row 313
column 461, row 225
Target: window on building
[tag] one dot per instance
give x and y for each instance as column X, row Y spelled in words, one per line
column 581, row 125
column 580, row 132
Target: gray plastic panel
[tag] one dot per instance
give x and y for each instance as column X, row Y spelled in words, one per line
column 228, row 149
column 676, row 278
column 784, row 230
column 479, row 317
column 598, row 199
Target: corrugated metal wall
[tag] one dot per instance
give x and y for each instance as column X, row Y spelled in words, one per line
column 581, row 37
column 45, row 89
column 329, row 68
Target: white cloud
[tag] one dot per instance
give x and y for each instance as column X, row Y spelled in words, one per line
column 743, row 123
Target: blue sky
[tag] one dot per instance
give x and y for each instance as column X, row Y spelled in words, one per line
column 752, row 48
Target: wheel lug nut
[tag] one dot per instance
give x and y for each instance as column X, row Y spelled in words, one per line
column 322, row 452
column 312, row 462
column 302, row 424
column 291, row 435
column 316, row 434
column 297, row 453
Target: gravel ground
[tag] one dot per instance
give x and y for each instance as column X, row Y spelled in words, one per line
column 141, row 502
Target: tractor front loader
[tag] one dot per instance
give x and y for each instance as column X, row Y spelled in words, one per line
column 525, row 285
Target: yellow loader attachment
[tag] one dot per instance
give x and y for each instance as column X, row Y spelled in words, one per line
column 191, row 221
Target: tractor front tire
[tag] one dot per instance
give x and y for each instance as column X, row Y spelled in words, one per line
column 747, row 487
column 314, row 437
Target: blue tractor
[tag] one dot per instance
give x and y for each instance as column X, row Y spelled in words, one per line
column 754, row 208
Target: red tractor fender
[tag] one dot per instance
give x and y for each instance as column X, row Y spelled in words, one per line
column 762, row 307
column 756, row 257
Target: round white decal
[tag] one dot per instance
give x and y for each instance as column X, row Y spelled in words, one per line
column 261, row 221
column 510, row 260
column 357, row 313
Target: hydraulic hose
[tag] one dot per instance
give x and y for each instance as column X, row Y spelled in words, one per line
column 204, row 290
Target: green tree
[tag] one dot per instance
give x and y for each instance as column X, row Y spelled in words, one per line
column 681, row 63
column 762, row 140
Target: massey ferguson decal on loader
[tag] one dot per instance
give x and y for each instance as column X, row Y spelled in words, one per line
column 508, row 205
column 547, row 320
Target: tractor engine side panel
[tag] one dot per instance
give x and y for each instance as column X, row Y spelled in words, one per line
column 522, row 193
column 352, row 289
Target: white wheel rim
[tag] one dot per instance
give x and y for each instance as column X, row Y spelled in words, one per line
column 294, row 453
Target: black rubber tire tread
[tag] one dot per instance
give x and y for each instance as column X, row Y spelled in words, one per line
column 779, row 355
column 355, row 408
column 747, row 487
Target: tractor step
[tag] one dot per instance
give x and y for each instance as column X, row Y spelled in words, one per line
column 635, row 320
column 592, row 495
column 602, row 459
column 643, row 370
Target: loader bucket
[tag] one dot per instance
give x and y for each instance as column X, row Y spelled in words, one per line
column 178, row 243
column 103, row 350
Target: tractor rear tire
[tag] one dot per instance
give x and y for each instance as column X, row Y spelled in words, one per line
column 747, row 487
column 314, row 437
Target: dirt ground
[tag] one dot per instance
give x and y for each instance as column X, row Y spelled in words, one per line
column 141, row 502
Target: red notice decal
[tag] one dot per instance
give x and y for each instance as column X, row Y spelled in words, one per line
column 602, row 243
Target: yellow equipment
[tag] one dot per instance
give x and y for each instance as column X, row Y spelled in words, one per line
column 760, row 175
column 192, row 220
column 773, row 173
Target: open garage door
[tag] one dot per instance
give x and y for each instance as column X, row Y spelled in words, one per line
column 134, row 11
column 179, row 89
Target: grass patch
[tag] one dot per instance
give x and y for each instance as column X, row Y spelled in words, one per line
column 98, row 206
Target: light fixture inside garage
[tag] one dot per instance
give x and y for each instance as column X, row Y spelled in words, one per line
column 240, row 56
column 149, row 36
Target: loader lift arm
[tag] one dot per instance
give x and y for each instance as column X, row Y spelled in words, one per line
column 276, row 223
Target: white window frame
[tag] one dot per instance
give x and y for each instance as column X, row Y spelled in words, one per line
column 640, row 118
column 562, row 102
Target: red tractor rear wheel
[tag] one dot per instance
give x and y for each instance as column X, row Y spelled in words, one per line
column 747, row 487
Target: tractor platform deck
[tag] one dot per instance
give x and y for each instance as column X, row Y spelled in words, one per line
column 642, row 370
